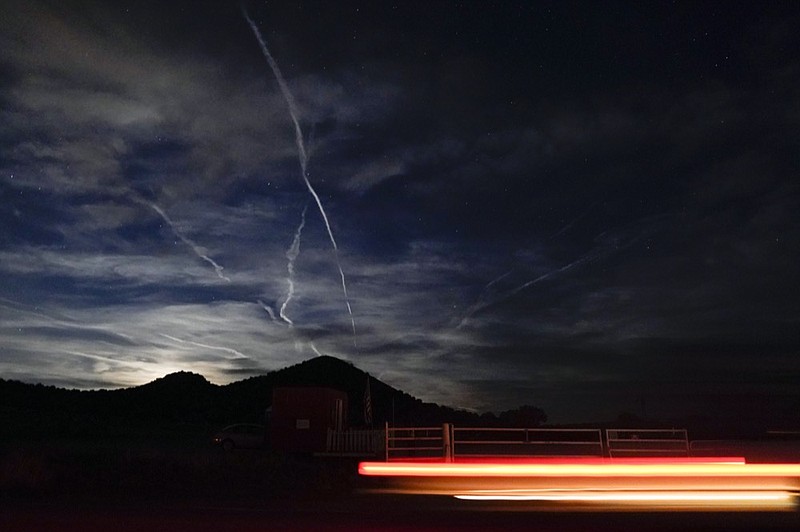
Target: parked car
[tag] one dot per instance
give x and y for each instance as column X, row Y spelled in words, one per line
column 241, row 436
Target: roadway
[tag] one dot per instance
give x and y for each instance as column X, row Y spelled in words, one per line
column 363, row 511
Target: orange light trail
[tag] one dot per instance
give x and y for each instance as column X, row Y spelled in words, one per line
column 640, row 483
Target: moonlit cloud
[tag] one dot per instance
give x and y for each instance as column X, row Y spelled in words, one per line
column 585, row 219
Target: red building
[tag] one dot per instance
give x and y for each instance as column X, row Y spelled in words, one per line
column 302, row 416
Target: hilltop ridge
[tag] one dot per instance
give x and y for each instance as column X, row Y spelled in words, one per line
column 189, row 398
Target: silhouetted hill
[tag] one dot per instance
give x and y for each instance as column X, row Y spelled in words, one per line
column 179, row 381
column 187, row 402
column 186, row 398
column 388, row 403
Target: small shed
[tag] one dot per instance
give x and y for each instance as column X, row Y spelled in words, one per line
column 302, row 416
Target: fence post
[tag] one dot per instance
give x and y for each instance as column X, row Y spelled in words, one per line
column 386, row 441
column 447, row 444
column 452, row 442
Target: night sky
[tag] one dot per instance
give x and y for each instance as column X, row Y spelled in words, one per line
column 589, row 207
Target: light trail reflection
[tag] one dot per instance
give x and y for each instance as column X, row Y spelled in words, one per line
column 658, row 484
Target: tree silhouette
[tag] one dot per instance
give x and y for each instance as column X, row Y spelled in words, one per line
column 524, row 416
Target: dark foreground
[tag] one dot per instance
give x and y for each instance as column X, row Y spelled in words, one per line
column 122, row 486
column 371, row 513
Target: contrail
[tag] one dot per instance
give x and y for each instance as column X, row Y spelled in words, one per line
column 314, row 348
column 606, row 244
column 198, row 250
column 291, row 255
column 573, row 222
column 239, row 354
column 302, row 154
column 69, row 324
column 482, row 304
column 491, row 283
column 267, row 308
column 585, row 258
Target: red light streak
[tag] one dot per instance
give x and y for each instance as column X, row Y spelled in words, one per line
column 601, row 469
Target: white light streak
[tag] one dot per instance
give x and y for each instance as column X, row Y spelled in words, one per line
column 627, row 495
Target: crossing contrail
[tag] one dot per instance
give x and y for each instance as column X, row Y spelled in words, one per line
column 485, row 302
column 301, row 152
column 291, row 256
column 606, row 243
column 267, row 308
